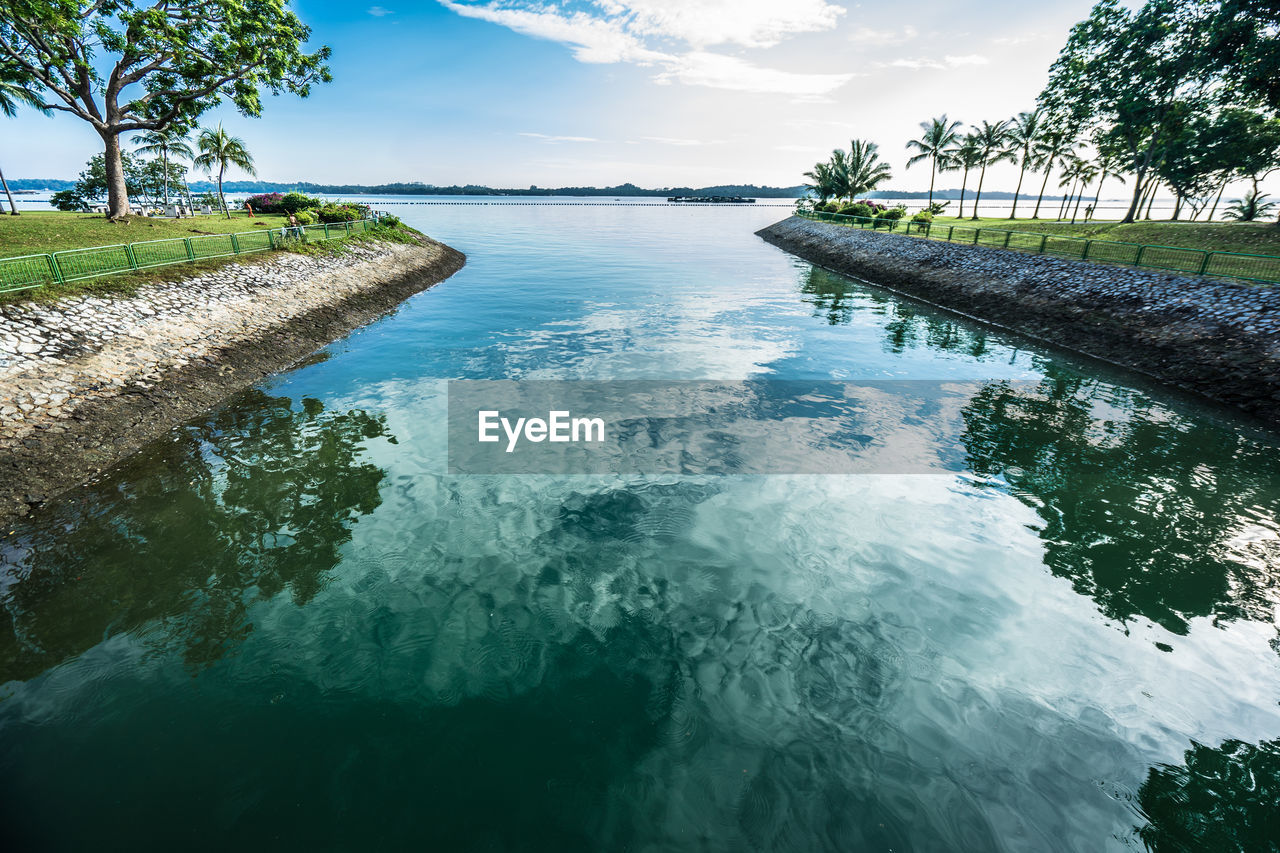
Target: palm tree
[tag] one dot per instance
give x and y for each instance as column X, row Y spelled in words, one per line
column 863, row 169
column 824, row 182
column 1071, row 166
column 993, row 141
column 1086, row 172
column 1050, row 150
column 169, row 142
column 968, row 156
column 1109, row 165
column 1024, row 133
column 11, row 95
column 219, row 148
column 936, row 144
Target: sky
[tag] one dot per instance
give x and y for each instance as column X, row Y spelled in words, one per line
column 660, row 93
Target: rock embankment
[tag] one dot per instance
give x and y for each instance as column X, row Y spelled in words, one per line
column 1219, row 339
column 85, row 381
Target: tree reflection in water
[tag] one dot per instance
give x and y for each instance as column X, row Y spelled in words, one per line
column 1148, row 513
column 254, row 501
column 1221, row 799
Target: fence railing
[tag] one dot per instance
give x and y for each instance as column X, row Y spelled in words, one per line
column 1264, row 269
column 31, row 271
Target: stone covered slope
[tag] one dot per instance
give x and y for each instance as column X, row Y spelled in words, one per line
column 85, row 381
column 1219, row 339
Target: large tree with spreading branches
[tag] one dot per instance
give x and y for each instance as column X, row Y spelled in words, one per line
column 123, row 65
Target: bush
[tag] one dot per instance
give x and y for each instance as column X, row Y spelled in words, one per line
column 305, row 217
column 339, row 212
column 389, row 221
column 831, row 207
column 294, row 202
column 265, row 203
column 858, row 209
column 923, row 216
column 937, row 207
column 893, row 214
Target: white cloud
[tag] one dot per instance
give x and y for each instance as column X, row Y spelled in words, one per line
column 968, row 59
column 868, row 36
column 554, row 140
column 669, row 140
column 701, row 23
column 641, row 32
column 729, row 72
column 945, row 63
column 379, row 11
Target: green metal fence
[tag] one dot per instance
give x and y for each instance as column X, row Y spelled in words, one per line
column 31, row 271
column 1264, row 269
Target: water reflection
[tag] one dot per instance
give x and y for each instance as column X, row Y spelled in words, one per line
column 1221, row 798
column 1148, row 513
column 256, row 500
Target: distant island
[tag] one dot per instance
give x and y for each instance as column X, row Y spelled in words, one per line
column 417, row 188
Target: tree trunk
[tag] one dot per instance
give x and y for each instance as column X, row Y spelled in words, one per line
column 164, row 161
column 13, row 208
column 1075, row 211
column 1013, row 214
column 964, row 183
column 1151, row 199
column 1177, row 206
column 1066, row 200
column 933, row 171
column 982, row 176
column 221, row 198
column 1221, row 190
column 1048, row 169
column 117, row 190
column 1097, row 198
column 1135, row 206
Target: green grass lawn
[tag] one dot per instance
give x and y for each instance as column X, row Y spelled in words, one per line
column 1259, row 238
column 38, row 232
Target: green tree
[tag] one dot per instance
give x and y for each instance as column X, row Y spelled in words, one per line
column 1024, row 135
column 1050, row 150
column 170, row 143
column 1243, row 47
column 936, row 144
column 968, row 157
column 124, row 68
column 824, row 183
column 1132, row 75
column 1251, row 208
column 12, row 94
column 220, row 149
column 994, row 143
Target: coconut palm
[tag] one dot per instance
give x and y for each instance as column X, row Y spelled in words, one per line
column 824, row 181
column 994, row 143
column 862, row 170
column 221, row 149
column 1109, row 165
column 968, row 157
column 936, row 144
column 1086, row 172
column 1024, row 133
column 1072, row 166
column 12, row 94
column 1252, row 207
column 1052, row 148
column 169, row 143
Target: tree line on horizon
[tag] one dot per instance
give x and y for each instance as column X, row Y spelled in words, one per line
column 1183, row 94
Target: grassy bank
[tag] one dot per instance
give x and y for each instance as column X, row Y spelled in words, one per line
column 73, row 230
column 37, row 232
column 1258, row 238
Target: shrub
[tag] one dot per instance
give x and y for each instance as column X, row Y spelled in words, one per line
column 265, row 203
column 893, row 214
column 305, row 217
column 923, row 216
column 937, row 207
column 832, row 207
column 338, row 212
column 859, row 209
column 389, row 220
column 294, row 202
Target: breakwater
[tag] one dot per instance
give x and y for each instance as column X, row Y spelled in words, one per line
column 1218, row 339
column 85, row 381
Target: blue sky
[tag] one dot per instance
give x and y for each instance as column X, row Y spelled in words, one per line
column 657, row 92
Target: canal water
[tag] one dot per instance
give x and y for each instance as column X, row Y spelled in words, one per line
column 286, row 626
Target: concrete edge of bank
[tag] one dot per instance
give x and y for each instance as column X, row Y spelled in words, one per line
column 1216, row 339
column 85, row 382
